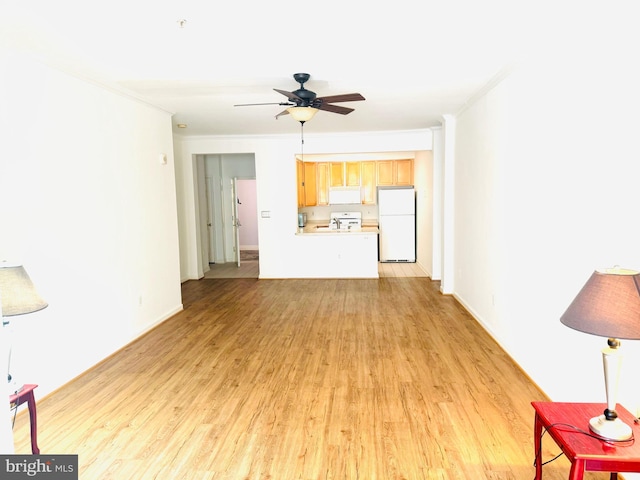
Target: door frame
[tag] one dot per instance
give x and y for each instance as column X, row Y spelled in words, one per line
column 211, row 220
column 235, row 221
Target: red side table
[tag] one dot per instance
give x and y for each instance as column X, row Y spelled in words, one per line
column 583, row 451
column 26, row 395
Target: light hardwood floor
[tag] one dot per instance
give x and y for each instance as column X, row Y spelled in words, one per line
column 250, row 269
column 302, row 379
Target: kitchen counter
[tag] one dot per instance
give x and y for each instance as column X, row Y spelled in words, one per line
column 339, row 253
column 322, row 228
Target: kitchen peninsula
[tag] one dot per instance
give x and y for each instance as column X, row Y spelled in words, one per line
column 335, row 252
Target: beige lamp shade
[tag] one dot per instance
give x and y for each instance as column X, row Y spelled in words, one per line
column 17, row 293
column 608, row 305
column 302, row 114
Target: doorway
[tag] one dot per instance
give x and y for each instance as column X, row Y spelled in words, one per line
column 246, row 220
column 230, row 225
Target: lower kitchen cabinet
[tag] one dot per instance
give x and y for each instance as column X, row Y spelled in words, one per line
column 340, row 255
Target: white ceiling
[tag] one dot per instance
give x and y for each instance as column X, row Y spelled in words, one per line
column 412, row 60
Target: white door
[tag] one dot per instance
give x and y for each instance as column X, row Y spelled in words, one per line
column 235, row 220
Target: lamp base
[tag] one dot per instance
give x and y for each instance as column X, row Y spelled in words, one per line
column 614, row 429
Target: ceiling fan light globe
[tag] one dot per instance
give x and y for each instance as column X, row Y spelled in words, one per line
column 302, row 114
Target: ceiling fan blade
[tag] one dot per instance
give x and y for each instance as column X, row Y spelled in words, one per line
column 347, row 97
column 252, row 104
column 327, row 107
column 290, row 95
column 284, row 112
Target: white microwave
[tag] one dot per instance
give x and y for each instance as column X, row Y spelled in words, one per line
column 344, row 196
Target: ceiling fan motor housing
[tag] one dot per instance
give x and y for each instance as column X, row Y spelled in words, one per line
column 305, row 97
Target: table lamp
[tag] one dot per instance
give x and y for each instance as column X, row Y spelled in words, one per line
column 608, row 306
column 17, row 297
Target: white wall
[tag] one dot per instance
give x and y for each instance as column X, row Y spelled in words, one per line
column 437, row 199
column 547, row 175
column 280, row 249
column 424, row 183
column 90, row 211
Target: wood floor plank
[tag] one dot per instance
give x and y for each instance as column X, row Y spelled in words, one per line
column 302, row 379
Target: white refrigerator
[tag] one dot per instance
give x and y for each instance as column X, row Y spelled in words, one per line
column 397, row 224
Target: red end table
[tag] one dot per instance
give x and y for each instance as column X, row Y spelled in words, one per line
column 17, row 399
column 583, row 451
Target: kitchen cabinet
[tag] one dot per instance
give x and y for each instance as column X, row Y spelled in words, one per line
column 300, row 180
column 394, row 172
column 385, row 172
column 368, row 182
column 337, row 174
column 307, row 184
column 352, row 174
column 404, row 172
column 324, row 176
column 310, row 185
column 340, row 255
column 315, row 179
column 345, row 174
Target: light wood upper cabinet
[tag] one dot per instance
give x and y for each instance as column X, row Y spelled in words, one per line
column 345, row 174
column 385, row 172
column 316, row 178
column 395, row 172
column 310, row 185
column 324, row 175
column 404, row 172
column 337, row 174
column 300, row 179
column 368, row 179
column 352, row 174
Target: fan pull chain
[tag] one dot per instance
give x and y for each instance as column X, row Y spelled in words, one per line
column 302, row 140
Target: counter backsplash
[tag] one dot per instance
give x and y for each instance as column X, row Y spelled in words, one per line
column 323, row 214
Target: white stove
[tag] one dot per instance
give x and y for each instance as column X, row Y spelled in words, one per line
column 345, row 220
